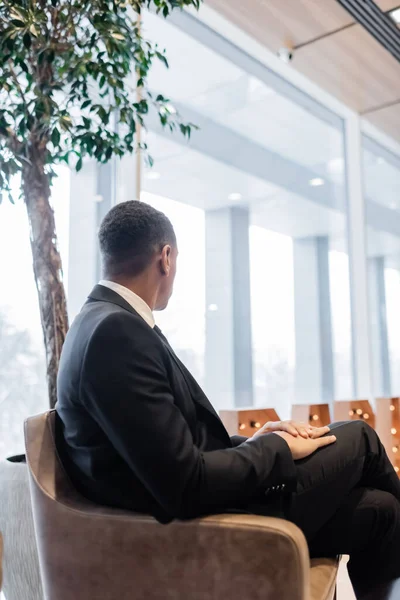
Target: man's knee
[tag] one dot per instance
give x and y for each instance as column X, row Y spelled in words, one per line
column 358, row 424
column 383, row 509
column 355, row 428
column 357, row 438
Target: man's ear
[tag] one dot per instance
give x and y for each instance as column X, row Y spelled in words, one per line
column 165, row 262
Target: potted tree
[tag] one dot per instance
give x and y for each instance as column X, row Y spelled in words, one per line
column 69, row 71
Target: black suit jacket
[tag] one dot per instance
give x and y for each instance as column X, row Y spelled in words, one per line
column 135, row 430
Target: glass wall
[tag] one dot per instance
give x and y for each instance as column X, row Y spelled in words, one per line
column 382, row 198
column 269, row 160
column 273, row 319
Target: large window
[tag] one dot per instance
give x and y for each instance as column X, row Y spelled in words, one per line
column 273, row 320
column 267, row 159
column 382, row 198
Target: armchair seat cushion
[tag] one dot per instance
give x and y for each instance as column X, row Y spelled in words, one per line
column 323, row 576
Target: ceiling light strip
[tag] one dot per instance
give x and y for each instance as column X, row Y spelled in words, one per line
column 376, row 22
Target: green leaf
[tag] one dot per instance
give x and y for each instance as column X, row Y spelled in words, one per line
column 85, row 104
column 22, row 126
column 65, row 123
column 27, row 40
column 40, row 109
column 102, row 81
column 132, row 126
column 109, row 152
column 65, row 158
column 78, row 165
column 183, row 129
column 55, row 137
column 99, row 149
column 17, row 23
column 16, row 13
column 104, row 116
column 88, row 142
column 10, row 44
column 162, row 58
column 87, row 122
column 24, row 66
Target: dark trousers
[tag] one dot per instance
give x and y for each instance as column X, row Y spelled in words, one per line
column 348, row 502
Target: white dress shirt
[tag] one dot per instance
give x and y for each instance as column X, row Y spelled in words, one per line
column 133, row 299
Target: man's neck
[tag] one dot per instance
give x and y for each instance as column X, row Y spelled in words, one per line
column 140, row 286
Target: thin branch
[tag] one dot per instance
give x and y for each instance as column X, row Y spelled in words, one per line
column 17, row 83
column 13, row 142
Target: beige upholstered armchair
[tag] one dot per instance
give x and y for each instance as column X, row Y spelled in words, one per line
column 89, row 551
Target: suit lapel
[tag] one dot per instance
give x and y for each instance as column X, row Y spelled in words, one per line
column 201, row 398
column 104, row 294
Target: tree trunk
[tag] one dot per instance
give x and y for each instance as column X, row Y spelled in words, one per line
column 46, row 264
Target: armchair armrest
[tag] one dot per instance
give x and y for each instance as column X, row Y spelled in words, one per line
column 248, row 556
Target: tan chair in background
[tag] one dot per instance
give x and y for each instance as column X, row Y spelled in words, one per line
column 92, row 552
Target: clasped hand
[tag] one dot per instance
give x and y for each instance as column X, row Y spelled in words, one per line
column 302, row 439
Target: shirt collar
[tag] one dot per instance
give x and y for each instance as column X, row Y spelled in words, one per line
column 137, row 303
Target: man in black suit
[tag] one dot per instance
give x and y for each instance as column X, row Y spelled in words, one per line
column 135, row 430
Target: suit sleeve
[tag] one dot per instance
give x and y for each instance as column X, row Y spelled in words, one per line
column 238, row 439
column 125, row 386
